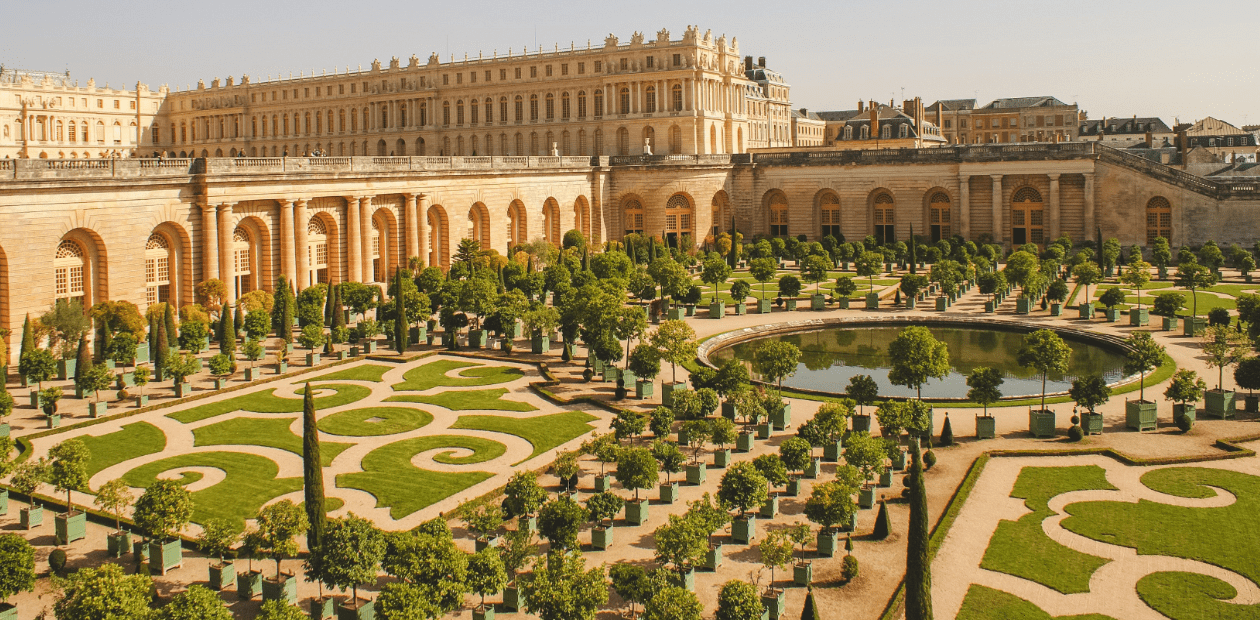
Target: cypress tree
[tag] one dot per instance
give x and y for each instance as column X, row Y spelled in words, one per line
column 277, row 303
column 651, row 250
column 586, row 259
column 312, row 471
column 401, row 335
column 83, row 361
column 238, row 322
column 286, row 316
column 160, row 352
column 328, row 304
column 28, row 336
column 172, row 331
column 810, row 611
column 339, row 311
column 947, row 433
column 104, row 340
column 848, row 545
column 153, row 333
column 883, row 523
column 914, row 251
column 918, row 559
column 227, row 332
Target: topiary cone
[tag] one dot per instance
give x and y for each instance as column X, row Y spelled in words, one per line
column 810, row 612
column 883, row 523
column 947, row 433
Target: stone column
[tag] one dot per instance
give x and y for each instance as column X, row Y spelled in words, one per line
column 227, row 258
column 999, row 231
column 301, row 263
column 1053, row 214
column 353, row 271
column 964, row 208
column 210, row 242
column 1091, row 221
column 422, row 228
column 365, row 241
column 409, row 218
column 288, row 258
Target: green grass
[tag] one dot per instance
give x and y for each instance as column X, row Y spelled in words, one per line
column 393, row 420
column 268, row 432
column 1228, row 537
column 1193, row 596
column 132, row 441
column 433, row 375
column 251, row 482
column 366, row 372
column 1021, row 548
column 266, row 402
column 1234, row 290
column 544, row 432
column 472, row 399
column 1207, row 301
column 984, row 603
column 404, row 488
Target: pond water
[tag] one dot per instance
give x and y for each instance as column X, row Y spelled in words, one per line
column 831, row 356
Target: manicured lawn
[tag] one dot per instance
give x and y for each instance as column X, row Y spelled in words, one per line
column 472, row 399
column 1193, row 596
column 251, row 482
column 404, row 488
column 366, row 372
column 544, row 432
column 1234, row 290
column 269, row 432
column 392, row 420
column 433, row 375
column 132, row 441
column 266, row 402
column 1228, row 537
column 984, row 603
column 1207, row 301
column 1021, row 548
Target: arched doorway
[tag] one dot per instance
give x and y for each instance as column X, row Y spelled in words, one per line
column 940, row 216
column 829, row 215
column 884, row 216
column 439, row 238
column 479, row 225
column 1027, row 217
column 720, row 219
column 72, row 273
column 317, row 238
column 243, row 258
column 582, row 217
column 551, row 221
column 777, row 213
column 518, row 228
column 1158, row 220
column 157, row 269
column 632, row 215
column 679, row 218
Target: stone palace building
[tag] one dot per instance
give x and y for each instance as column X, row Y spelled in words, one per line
column 414, row 164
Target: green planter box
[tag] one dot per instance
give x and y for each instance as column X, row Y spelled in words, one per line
column 65, row 369
column 717, row 310
column 312, row 359
column 644, row 388
column 282, row 589
column 697, row 474
column 70, row 527
column 676, row 314
column 683, row 436
column 142, row 400
column 477, row 338
column 669, row 493
column 1041, row 423
column 744, row 442
column 140, row 549
column 712, row 558
column 1252, row 404
column 539, row 344
column 817, row 302
column 1092, row 423
column 774, row 603
column 323, row 608
column 220, row 383
column 1023, row 306
column 637, row 512
column 512, row 599
column 1086, row 311
column 782, row 419
column 872, row 301
column 866, row 497
column 793, row 488
column 124, row 380
column 741, row 309
column 248, row 585
column 253, row 374
column 8, row 611
column 1219, row 404
column 790, row 304
column 667, row 392
column 721, row 458
column 1139, row 317
column 1112, row 314
column 744, row 530
column 369, row 346
column 96, row 410
column 898, row 461
column 885, row 479
column 142, row 353
column 1170, row 323
column 942, row 304
column 1056, row 309
column 1139, row 415
column 603, row 483
column 843, row 302
column 691, row 309
column 803, row 574
column 183, row 390
column 602, row 537
column 31, row 518
column 282, row 367
column 116, row 544
column 833, row 451
column 53, row 421
column 861, row 423
column 222, row 575
column 4, row 429
column 611, row 373
column 165, row 556
column 729, row 411
column 828, row 543
column 764, row 430
column 763, row 306
column 986, row 427
column 482, row 543
column 483, row 613
column 770, row 509
column 628, row 378
column 356, row 610
column 814, row 469
column 1184, row 410
column 990, row 307
column 1194, row 326
column 911, row 303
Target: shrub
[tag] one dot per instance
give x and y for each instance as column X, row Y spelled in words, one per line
column 1075, row 433
column 1218, row 316
column 1112, row 297
column 1183, row 422
column 1167, row 304
column 849, row 568
column 929, row 459
column 57, row 560
column 947, row 433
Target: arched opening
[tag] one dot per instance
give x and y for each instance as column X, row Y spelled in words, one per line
column 940, row 216
column 72, row 272
column 243, row 257
column 777, row 213
column 884, row 216
column 1158, row 220
column 380, row 148
column 582, row 217
column 551, row 221
column 401, row 148
column 157, row 269
column 317, row 244
column 679, row 217
column 420, row 146
column 439, row 238
column 675, row 140
column 518, row 228
column 829, row 215
column 1027, row 217
column 721, row 222
column 649, row 138
column 632, row 215
column 479, row 225
column 623, row 141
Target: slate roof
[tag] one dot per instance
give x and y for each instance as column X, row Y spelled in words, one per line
column 1023, row 102
column 1125, row 125
column 955, row 104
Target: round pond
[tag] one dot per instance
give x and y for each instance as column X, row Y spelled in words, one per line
column 831, row 356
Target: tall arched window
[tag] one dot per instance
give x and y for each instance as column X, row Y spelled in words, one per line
column 679, row 217
column 533, row 107
column 1027, row 217
column 1158, row 220
column 675, row 141
column 517, row 228
column 581, row 104
column 520, row 108
column 551, row 221
column 446, row 113
column 848, row 132
column 599, row 103
column 650, row 103
column 378, row 267
column 939, row 216
column 69, row 266
column 489, row 113
column 778, row 207
column 459, row 112
column 564, row 106
column 633, row 216
column 624, row 101
column 317, row 250
column 829, row 215
column 474, row 108
column 551, row 107
column 243, row 258
column 676, row 98
column 885, row 218
column 157, row 270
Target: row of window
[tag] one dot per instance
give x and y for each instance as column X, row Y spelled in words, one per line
column 82, row 102
column 44, row 130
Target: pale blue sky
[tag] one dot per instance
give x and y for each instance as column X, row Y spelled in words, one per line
column 1113, row 57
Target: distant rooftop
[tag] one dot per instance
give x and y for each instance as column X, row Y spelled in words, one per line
column 14, row 76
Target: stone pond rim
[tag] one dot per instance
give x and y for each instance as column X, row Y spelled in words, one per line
column 724, row 340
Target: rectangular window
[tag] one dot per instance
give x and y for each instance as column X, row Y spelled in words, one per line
column 518, row 73
column 564, row 69
column 446, row 79
column 487, row 75
column 581, row 68
column 459, row 78
column 625, row 64
column 533, row 72
column 133, row 105
column 599, row 66
column 472, row 77
column 306, row 93
column 677, row 60
column 548, row 70
column 1041, row 121
column 502, row 74
column 947, row 123
column 100, row 104
column 352, row 90
column 116, row 104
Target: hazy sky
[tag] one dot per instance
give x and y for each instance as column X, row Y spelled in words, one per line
column 1113, row 57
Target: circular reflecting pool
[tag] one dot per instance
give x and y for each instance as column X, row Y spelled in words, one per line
column 831, row 356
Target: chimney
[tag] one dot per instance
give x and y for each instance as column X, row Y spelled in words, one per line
column 761, row 62
column 748, row 63
column 874, row 121
column 1150, row 140
column 861, row 106
column 805, row 112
